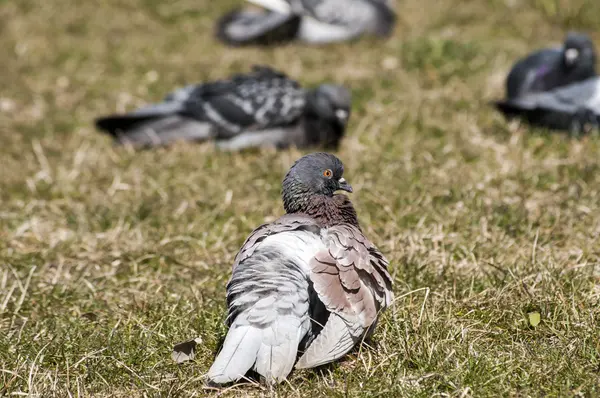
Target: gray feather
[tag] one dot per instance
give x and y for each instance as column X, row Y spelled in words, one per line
column 166, row 131
column 160, row 109
column 281, row 137
column 559, row 108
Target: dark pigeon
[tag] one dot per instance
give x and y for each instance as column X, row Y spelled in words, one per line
column 575, row 108
column 311, row 21
column 263, row 108
column 551, row 68
column 309, row 283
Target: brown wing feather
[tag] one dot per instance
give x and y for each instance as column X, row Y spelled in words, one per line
column 355, row 274
column 352, row 281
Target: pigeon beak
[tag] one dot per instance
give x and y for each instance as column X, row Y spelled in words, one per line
column 342, row 115
column 571, row 56
column 343, row 185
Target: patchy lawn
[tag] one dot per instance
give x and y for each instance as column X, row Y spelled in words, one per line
column 109, row 257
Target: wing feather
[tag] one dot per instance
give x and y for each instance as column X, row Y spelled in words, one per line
column 351, row 279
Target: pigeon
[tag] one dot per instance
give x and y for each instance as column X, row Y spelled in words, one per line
column 311, row 21
column 308, row 284
column 263, row 108
column 555, row 67
column 574, row 108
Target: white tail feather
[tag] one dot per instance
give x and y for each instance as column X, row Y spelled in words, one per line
column 278, row 350
column 238, row 354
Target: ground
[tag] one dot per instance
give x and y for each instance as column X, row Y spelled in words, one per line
column 108, row 257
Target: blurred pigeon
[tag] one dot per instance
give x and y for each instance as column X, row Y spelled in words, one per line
column 240, row 27
column 263, row 108
column 309, row 282
column 312, row 21
column 547, row 69
column 575, row 107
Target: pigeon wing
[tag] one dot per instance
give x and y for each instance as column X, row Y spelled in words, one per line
column 567, row 99
column 261, row 99
column 527, row 75
column 350, row 277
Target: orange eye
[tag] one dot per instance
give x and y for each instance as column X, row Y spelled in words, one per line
column 327, row 173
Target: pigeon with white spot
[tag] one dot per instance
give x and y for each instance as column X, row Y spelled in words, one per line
column 550, row 68
column 308, row 284
column 311, row 21
column 264, row 108
column 534, row 86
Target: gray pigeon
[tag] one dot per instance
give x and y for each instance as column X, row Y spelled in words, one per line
column 309, row 283
column 550, row 68
column 575, row 107
column 311, row 21
column 263, row 108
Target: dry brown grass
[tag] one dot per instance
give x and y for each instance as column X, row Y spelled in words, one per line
column 109, row 257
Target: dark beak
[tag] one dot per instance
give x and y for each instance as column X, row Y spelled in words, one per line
column 344, row 186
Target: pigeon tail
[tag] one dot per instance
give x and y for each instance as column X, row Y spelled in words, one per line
column 238, row 354
column 114, row 123
column 277, row 353
column 270, row 349
column 144, row 132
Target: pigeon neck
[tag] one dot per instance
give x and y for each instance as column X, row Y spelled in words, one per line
column 326, row 210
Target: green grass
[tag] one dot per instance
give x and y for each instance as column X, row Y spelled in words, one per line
column 109, row 257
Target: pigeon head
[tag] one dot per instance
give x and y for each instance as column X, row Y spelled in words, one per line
column 312, row 175
column 331, row 103
column 579, row 53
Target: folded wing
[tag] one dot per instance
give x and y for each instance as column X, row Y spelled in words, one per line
column 350, row 278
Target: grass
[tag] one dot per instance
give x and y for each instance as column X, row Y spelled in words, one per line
column 109, row 257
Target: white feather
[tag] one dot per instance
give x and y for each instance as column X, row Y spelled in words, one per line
column 594, row 101
column 238, row 354
column 277, row 353
column 314, row 31
column 299, row 246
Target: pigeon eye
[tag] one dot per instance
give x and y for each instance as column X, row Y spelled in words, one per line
column 327, row 173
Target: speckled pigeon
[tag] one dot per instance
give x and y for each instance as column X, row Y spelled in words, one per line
column 309, row 283
column 312, row 21
column 575, row 108
column 263, row 108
